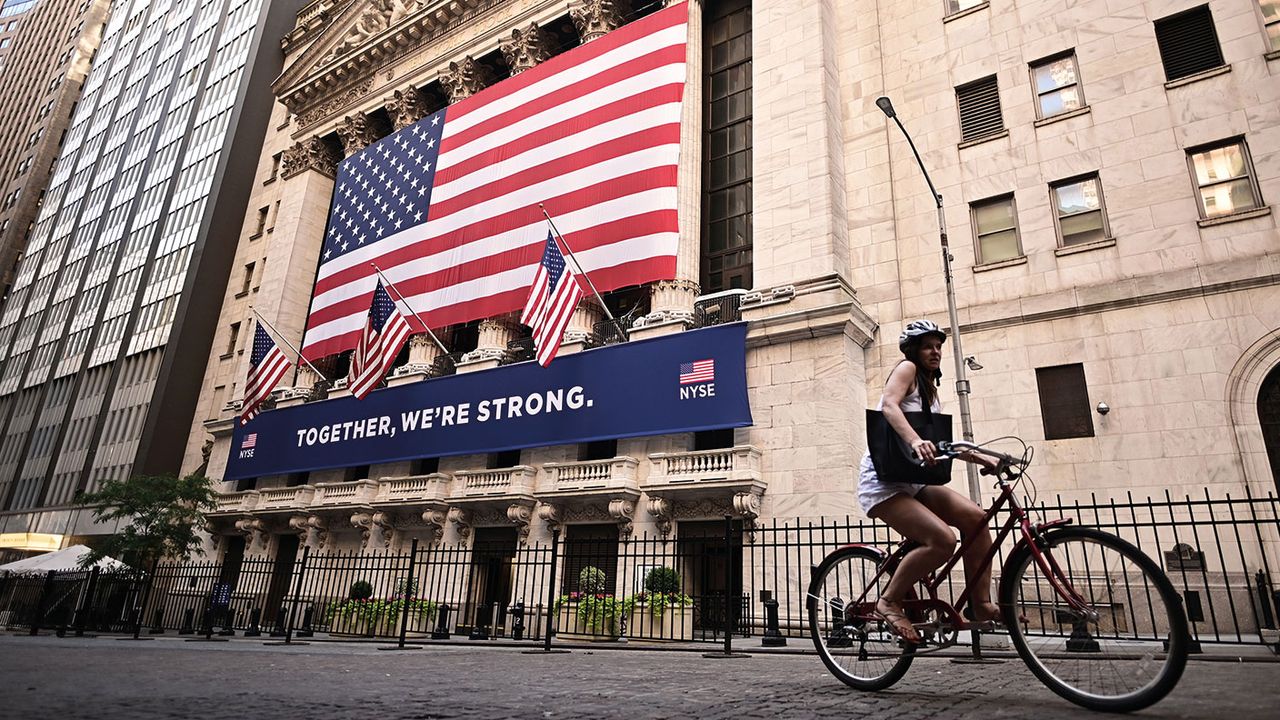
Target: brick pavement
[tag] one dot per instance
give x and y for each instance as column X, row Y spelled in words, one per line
column 48, row 677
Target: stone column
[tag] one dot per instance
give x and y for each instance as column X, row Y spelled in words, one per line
column 465, row 79
column 495, row 333
column 406, row 107
column 595, row 18
column 525, row 48
column 423, row 351
column 582, row 325
column 355, row 133
column 307, row 173
column 671, row 301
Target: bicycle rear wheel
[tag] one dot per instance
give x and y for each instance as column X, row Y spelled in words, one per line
column 1125, row 655
column 866, row 655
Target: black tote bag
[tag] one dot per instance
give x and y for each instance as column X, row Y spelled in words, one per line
column 892, row 456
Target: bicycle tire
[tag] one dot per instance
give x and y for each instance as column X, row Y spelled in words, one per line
column 849, row 570
column 1148, row 627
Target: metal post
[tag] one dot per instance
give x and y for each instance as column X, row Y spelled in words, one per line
column 551, row 600
column 408, row 594
column 86, row 599
column 728, row 595
column 297, row 590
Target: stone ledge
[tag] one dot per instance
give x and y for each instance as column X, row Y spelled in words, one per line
column 1063, row 116
column 1085, row 247
column 984, row 139
column 1235, row 217
column 1202, row 75
column 1011, row 262
column 966, row 12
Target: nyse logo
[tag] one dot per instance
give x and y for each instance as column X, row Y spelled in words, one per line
column 705, row 390
column 248, row 445
column 697, row 379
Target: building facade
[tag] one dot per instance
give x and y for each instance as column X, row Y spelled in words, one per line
column 1106, row 175
column 46, row 57
column 107, row 327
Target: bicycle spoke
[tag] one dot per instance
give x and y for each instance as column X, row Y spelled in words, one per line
column 860, row 650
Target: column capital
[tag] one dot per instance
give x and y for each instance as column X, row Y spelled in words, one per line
column 525, row 48
column 594, row 18
column 466, row 78
column 406, row 107
column 356, row 133
column 309, row 154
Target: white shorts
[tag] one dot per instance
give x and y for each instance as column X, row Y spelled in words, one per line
column 872, row 492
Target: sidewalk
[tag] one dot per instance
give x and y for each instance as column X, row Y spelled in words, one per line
column 50, row 677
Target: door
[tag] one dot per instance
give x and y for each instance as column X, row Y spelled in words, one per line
column 715, row 571
column 492, row 557
column 1269, row 417
column 281, row 578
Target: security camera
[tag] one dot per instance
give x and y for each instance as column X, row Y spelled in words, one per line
column 1103, row 408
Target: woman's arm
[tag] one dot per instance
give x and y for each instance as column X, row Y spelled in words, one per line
column 895, row 390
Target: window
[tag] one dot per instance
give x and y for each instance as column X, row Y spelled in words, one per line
column 955, row 6
column 713, row 439
column 1057, row 85
column 275, row 167
column 1271, row 22
column 262, row 220
column 232, row 338
column 298, row 478
column 1079, row 212
column 1224, row 179
column 246, row 484
column 358, row 472
column 979, row 104
column 4, row 42
column 598, row 450
column 1064, row 402
column 1188, row 43
column 995, row 225
column 504, row 459
column 248, row 278
column 424, row 466
column 726, row 232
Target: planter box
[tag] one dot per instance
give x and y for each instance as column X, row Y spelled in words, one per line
column 675, row 623
column 571, row 627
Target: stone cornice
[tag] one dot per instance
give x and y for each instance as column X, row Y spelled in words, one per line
column 368, row 37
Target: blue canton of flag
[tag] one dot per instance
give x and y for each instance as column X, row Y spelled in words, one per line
column 384, row 335
column 552, row 299
column 385, row 189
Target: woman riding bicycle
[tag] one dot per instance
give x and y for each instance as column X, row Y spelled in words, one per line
column 923, row 513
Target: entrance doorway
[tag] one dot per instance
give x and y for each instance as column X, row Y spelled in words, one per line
column 281, row 576
column 491, row 573
column 1269, row 417
column 714, row 571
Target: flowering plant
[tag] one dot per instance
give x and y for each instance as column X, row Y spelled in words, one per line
column 595, row 608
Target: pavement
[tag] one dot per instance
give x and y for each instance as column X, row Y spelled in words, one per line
column 67, row 678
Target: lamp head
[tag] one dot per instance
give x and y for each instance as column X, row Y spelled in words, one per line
column 886, row 106
column 972, row 363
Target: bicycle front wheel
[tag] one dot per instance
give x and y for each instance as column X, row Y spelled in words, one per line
column 864, row 654
column 1126, row 651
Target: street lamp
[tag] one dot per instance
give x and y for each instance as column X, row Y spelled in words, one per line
column 962, row 384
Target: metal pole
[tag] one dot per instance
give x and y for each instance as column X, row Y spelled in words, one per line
column 286, row 342
column 728, row 586
column 551, row 592
column 44, row 596
column 962, row 383
column 405, row 300
column 146, row 598
column 297, row 590
column 408, row 593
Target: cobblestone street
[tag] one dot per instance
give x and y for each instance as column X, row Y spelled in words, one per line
column 48, row 677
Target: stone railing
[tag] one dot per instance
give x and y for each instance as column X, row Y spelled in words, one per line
column 502, row 481
column 359, row 492
column 412, row 487
column 285, row 498
column 741, row 462
column 243, row 501
column 589, row 474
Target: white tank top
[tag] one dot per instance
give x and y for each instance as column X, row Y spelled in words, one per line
column 913, row 403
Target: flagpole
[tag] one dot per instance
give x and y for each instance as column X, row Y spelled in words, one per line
column 286, row 342
column 583, row 273
column 389, row 284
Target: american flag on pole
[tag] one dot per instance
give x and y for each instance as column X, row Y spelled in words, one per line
column 267, row 365
column 385, row 331
column 448, row 207
column 552, row 299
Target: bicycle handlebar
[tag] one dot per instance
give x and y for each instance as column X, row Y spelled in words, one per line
column 957, row 448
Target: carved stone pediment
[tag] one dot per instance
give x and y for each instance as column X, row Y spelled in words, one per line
column 333, row 66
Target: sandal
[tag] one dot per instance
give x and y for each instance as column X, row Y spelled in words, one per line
column 906, row 630
column 990, row 624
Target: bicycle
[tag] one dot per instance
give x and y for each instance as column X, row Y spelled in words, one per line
column 1091, row 615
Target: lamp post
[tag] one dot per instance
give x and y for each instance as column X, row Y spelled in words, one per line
column 962, row 384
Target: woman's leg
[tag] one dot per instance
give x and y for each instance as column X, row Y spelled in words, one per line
column 963, row 513
column 936, row 542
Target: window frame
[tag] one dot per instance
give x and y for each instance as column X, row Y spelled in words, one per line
column 1251, row 174
column 1266, row 35
column 1078, row 84
column 1057, row 216
column 947, row 10
column 1213, row 28
column 1004, row 128
column 977, row 238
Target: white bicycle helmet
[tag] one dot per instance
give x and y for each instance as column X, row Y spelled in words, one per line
column 916, row 329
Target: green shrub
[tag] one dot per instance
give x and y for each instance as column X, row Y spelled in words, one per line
column 662, row 580
column 591, row 580
column 360, row 590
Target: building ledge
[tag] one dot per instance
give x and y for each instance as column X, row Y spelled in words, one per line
column 966, row 12
column 1235, row 217
column 1202, row 75
column 1085, row 247
column 1063, row 116
column 1011, row 262
column 984, row 139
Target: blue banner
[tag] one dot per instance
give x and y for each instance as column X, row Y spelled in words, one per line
column 683, row 382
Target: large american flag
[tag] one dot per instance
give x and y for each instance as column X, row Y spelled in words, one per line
column 385, row 331
column 555, row 293
column 267, row 365
column 448, row 207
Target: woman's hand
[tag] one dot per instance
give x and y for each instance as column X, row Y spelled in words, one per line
column 925, row 451
column 979, row 459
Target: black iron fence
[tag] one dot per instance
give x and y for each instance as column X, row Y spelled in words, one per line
column 700, row 582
